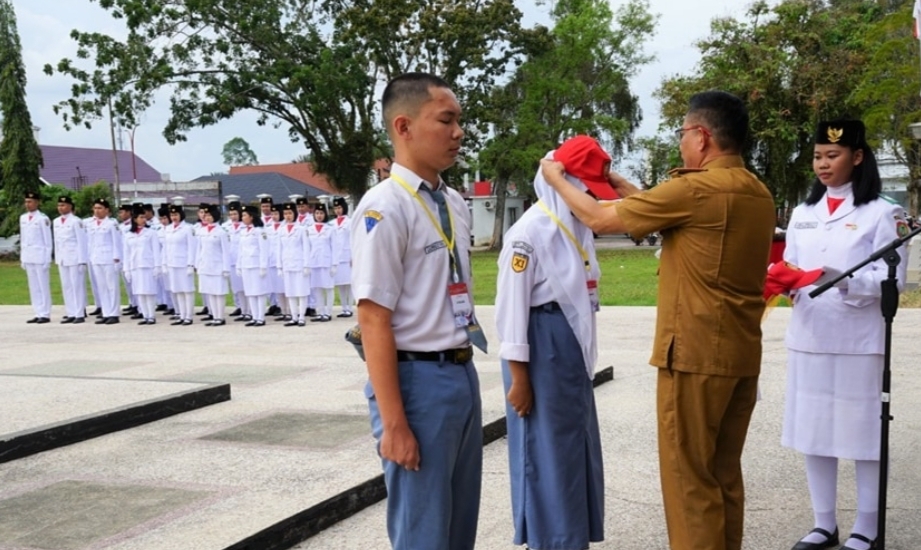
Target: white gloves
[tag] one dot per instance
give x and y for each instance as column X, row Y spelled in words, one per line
column 262, row 272
column 306, row 272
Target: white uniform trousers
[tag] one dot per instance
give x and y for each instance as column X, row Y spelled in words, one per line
column 73, row 286
column 94, row 287
column 39, row 288
column 107, row 289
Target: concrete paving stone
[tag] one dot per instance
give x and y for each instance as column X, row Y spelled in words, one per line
column 71, row 514
column 315, row 430
column 249, row 487
column 68, row 368
column 237, row 374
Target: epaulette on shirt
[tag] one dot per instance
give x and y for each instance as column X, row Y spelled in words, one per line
column 888, row 199
column 675, row 172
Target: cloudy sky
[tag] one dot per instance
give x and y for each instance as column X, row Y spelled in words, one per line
column 45, row 25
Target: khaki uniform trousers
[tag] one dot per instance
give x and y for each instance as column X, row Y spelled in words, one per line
column 703, row 421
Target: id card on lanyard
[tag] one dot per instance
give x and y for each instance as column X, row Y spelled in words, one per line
column 591, row 284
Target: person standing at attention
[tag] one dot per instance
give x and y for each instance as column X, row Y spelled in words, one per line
column 411, row 279
column 105, row 255
column 717, row 223
column 36, row 244
column 834, row 383
column 546, row 299
column 71, row 255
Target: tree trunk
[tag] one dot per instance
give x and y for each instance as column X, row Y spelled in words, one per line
column 914, row 179
column 500, row 190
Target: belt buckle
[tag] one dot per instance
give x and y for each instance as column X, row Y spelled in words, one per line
column 463, row 355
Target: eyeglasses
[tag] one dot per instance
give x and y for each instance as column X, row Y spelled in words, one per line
column 680, row 131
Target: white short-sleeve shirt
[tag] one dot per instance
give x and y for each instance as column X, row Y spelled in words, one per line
column 400, row 261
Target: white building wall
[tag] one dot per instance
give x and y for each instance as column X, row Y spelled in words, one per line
column 483, row 215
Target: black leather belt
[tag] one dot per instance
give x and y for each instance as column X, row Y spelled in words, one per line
column 549, row 307
column 458, row 356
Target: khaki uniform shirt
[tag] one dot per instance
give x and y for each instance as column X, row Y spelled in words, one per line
column 717, row 224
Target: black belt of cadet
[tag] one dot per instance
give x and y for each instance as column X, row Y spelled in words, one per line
column 458, row 356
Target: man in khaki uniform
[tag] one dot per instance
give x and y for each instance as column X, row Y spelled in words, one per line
column 717, row 222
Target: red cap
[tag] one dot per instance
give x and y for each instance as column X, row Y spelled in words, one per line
column 784, row 276
column 583, row 158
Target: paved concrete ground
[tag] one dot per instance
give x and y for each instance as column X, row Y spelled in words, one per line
column 295, row 433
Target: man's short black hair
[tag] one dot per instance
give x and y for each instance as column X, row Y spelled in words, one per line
column 409, row 90
column 724, row 115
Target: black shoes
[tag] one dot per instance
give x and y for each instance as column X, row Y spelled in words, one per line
column 68, row 320
column 137, row 316
column 321, row 319
column 204, row 311
column 97, row 312
column 255, row 323
column 858, row 536
column 235, row 313
column 108, row 321
column 291, row 324
column 345, row 314
column 39, row 320
column 273, row 310
column 170, row 312
column 311, row 312
column 78, row 320
column 216, row 323
column 130, row 310
column 150, row 321
column 244, row 318
column 831, row 540
column 161, row 307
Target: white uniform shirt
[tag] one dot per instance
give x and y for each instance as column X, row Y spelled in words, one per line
column 213, row 255
column 271, row 230
column 179, row 245
column 342, row 227
column 69, row 240
column 840, row 321
column 35, row 241
column 400, row 262
column 304, row 219
column 292, row 247
column 321, row 245
column 253, row 250
column 105, row 241
column 233, row 230
column 142, row 249
column 522, row 284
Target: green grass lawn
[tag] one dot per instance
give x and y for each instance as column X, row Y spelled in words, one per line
column 628, row 278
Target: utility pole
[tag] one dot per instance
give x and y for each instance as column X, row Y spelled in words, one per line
column 118, row 187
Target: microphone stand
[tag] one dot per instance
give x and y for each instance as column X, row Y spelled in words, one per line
column 889, row 304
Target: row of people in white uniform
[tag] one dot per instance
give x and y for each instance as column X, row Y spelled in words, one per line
column 159, row 258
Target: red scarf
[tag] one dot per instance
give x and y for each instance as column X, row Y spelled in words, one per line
column 319, row 227
column 833, row 204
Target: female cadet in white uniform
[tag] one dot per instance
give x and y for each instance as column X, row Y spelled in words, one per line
column 835, row 341
column 36, row 244
column 213, row 265
column 70, row 253
column 142, row 260
column 276, row 283
column 320, row 262
column 104, row 241
column 342, row 259
column 293, row 249
column 124, row 225
column 252, row 265
column 179, row 248
column 233, row 226
column 545, row 311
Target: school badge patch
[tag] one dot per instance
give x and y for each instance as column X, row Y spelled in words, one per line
column 371, row 219
column 901, row 227
column 520, row 262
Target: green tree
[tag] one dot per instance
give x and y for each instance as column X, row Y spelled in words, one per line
column 20, row 156
column 660, row 154
column 574, row 81
column 888, row 93
column 310, row 66
column 84, row 198
column 794, row 63
column 237, row 152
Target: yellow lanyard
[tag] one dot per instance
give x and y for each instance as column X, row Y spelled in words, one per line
column 572, row 238
column 452, row 258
